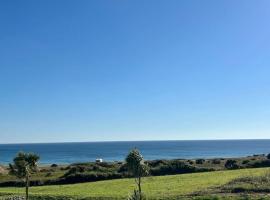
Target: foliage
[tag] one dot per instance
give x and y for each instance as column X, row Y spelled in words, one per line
column 136, row 165
column 54, row 165
column 24, row 164
column 200, row 161
column 259, row 163
column 216, row 161
column 175, row 167
column 244, row 162
column 231, row 164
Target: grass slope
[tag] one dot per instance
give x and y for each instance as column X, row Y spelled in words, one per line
column 160, row 187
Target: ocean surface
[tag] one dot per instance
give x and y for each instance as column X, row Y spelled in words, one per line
column 65, row 153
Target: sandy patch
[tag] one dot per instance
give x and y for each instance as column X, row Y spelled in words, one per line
column 2, row 170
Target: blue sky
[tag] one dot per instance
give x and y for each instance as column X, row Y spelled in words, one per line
column 134, row 70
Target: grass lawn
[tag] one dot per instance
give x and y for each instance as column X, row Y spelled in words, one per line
column 159, row 187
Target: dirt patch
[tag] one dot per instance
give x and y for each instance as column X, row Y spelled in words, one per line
column 2, row 170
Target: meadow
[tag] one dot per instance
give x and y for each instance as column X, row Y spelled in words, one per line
column 206, row 185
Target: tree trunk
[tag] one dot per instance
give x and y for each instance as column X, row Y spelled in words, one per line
column 27, row 187
column 139, row 186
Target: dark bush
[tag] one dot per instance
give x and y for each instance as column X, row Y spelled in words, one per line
column 155, row 163
column 261, row 163
column 200, row 161
column 244, row 162
column 80, row 178
column 259, row 155
column 175, row 167
column 21, row 183
column 190, row 162
column 231, row 164
column 54, row 165
column 74, row 170
column 216, row 161
column 268, row 156
column 123, row 168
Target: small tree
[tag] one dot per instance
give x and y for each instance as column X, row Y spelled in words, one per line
column 268, row 156
column 137, row 167
column 24, row 164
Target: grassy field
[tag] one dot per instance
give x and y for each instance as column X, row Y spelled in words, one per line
column 159, row 187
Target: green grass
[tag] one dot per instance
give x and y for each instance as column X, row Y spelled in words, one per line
column 160, row 187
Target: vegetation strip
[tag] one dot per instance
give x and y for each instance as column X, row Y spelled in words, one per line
column 159, row 187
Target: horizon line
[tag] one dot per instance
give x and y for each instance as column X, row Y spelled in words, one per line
column 108, row 141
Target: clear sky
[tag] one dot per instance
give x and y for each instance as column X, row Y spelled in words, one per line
column 134, row 70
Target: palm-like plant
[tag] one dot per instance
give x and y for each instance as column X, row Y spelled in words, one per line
column 136, row 166
column 24, row 164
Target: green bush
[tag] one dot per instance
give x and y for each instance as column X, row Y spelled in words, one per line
column 244, row 162
column 175, row 167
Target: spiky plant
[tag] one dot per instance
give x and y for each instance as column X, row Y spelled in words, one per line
column 24, row 164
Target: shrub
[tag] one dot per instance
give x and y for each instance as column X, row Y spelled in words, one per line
column 200, row 161
column 87, row 177
column 216, row 161
column 54, row 165
column 231, row 164
column 155, row 163
column 268, row 156
column 262, row 163
column 123, row 168
column 74, row 170
column 190, row 162
column 174, row 167
column 244, row 162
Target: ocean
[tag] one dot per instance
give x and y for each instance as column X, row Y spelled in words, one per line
column 66, row 153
